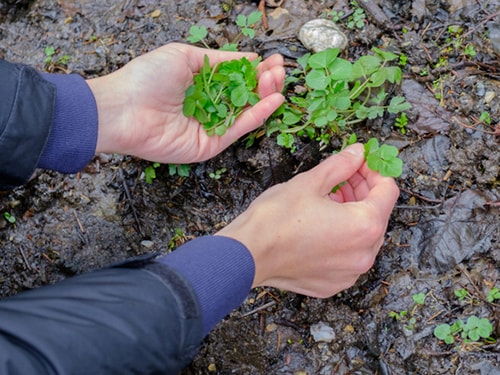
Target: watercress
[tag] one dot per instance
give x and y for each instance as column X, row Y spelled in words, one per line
column 221, row 92
column 332, row 94
column 383, row 159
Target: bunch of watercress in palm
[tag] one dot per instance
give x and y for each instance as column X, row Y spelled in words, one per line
column 220, row 93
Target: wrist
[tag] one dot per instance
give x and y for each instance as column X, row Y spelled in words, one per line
column 110, row 110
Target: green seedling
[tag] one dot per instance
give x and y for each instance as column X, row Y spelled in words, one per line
column 447, row 332
column 401, row 123
column 220, row 93
column 357, row 19
column 217, row 174
column 398, row 315
column 247, row 24
column 49, row 53
column 403, row 60
column 336, row 15
column 181, row 170
column 419, row 298
column 177, row 239
column 198, row 34
column 474, row 329
column 493, row 294
column 150, row 172
column 461, row 294
column 485, row 117
column 383, row 159
column 10, row 218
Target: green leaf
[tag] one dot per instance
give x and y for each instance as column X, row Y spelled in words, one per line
column 317, row 79
column 290, row 118
column 302, row 61
column 393, row 74
column 387, row 56
column 241, row 20
column 442, row 332
column 321, row 60
column 233, row 47
column 371, row 146
column 340, row 69
column 365, row 66
column 398, row 104
column 254, row 17
column 197, row 33
column 247, row 31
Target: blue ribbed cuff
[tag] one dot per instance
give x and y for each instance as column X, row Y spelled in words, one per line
column 219, row 269
column 73, row 138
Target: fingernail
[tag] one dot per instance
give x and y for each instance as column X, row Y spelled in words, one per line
column 355, row 149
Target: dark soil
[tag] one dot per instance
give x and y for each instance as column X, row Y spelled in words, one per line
column 443, row 235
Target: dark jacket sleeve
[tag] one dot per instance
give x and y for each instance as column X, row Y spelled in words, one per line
column 27, row 103
column 113, row 321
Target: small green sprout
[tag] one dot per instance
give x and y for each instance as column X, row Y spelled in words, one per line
column 473, row 329
column 401, row 123
column 49, row 53
column 419, row 298
column 461, row 294
column 398, row 315
column 447, row 333
column 485, row 117
column 9, row 217
column 177, row 239
column 470, row 51
column 336, row 15
column 181, row 170
column 357, row 19
column 150, row 172
column 403, row 60
column 197, row 34
column 476, row 328
column 493, row 294
column 217, row 174
column 247, row 24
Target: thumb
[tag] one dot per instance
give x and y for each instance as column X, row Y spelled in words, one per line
column 337, row 168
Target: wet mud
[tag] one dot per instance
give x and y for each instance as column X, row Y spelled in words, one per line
column 443, row 235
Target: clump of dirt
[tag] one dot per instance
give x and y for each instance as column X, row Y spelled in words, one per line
column 443, row 236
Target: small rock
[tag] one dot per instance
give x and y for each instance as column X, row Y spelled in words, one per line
column 489, row 96
column 321, row 34
column 322, row 332
column 147, row 244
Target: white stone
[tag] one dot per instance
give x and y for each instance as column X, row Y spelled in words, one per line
column 320, row 34
column 322, row 332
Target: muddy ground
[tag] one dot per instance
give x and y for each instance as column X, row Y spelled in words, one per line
column 443, row 235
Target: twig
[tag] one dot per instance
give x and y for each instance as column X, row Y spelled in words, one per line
column 129, row 199
column 260, row 308
column 262, row 8
column 25, row 259
column 78, row 222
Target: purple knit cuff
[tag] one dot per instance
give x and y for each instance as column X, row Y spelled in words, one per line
column 73, row 138
column 220, row 270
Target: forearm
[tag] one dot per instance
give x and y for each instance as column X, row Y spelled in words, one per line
column 140, row 316
column 113, row 321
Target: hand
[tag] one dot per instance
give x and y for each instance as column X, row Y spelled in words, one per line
column 308, row 240
column 140, row 105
